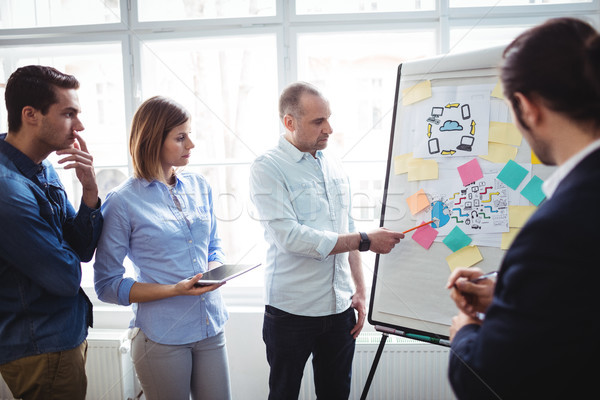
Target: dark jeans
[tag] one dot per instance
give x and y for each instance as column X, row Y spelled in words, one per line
column 290, row 339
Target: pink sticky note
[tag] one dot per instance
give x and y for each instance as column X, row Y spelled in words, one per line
column 470, row 172
column 425, row 236
column 418, row 202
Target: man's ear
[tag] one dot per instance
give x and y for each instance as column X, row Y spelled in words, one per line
column 529, row 109
column 289, row 123
column 30, row 116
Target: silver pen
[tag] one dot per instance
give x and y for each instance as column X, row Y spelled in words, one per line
column 489, row 275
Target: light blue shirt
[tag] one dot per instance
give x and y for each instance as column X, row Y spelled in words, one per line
column 303, row 203
column 143, row 222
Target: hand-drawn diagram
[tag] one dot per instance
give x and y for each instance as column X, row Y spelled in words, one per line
column 466, row 141
column 481, row 207
column 452, row 122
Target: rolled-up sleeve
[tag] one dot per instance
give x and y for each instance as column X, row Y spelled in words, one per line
column 109, row 282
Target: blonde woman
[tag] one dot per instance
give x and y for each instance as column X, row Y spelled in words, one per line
column 163, row 221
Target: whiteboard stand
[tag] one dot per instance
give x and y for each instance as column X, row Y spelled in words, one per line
column 384, row 337
column 385, row 333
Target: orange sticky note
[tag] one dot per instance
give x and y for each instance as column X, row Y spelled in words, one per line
column 418, row 202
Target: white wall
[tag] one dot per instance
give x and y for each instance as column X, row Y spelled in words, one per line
column 248, row 367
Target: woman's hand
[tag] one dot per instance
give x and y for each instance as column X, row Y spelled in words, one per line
column 186, row 287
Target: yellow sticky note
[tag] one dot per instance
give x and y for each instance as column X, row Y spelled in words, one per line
column 418, row 202
column 418, row 92
column 497, row 92
column 421, row 170
column 508, row 238
column 500, row 153
column 534, row 159
column 503, row 132
column 518, row 215
column 401, row 163
column 465, row 257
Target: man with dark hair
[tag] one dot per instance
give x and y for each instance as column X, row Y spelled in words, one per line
column 537, row 340
column 44, row 313
column 314, row 278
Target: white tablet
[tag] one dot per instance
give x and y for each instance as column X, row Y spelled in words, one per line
column 224, row 273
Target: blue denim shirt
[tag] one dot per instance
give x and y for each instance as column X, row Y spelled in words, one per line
column 169, row 235
column 303, row 203
column 42, row 241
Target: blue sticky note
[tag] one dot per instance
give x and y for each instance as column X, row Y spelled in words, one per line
column 533, row 191
column 457, row 239
column 512, row 174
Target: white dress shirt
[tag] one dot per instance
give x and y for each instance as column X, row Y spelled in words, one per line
column 303, row 203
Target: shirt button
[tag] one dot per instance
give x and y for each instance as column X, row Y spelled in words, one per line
column 194, row 260
column 189, row 241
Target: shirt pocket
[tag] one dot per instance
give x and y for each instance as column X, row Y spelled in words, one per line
column 341, row 193
column 306, row 200
column 201, row 220
column 46, row 210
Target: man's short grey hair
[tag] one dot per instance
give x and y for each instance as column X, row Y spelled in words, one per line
column 289, row 101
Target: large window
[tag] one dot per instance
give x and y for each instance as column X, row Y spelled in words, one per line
column 44, row 13
column 360, row 6
column 227, row 84
column 161, row 10
column 357, row 72
column 99, row 69
column 505, row 3
column 227, row 60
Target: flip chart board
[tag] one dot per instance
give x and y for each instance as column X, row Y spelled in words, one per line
column 455, row 155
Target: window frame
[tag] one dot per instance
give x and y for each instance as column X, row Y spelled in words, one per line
column 286, row 25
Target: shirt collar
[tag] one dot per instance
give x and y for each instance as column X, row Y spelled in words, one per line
column 292, row 151
column 147, row 183
column 551, row 184
column 23, row 163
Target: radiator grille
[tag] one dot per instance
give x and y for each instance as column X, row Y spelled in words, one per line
column 407, row 369
column 109, row 368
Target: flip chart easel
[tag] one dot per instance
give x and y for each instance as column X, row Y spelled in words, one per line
column 408, row 294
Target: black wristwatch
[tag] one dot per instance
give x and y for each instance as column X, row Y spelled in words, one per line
column 365, row 242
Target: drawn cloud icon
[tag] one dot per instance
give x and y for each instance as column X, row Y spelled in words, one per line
column 451, row 126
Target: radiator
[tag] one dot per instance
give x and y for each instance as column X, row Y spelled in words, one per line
column 109, row 368
column 407, row 369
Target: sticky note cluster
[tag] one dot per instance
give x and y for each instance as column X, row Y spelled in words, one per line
column 418, row 169
column 513, row 174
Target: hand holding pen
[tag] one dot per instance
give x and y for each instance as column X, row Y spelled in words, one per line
column 471, row 290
